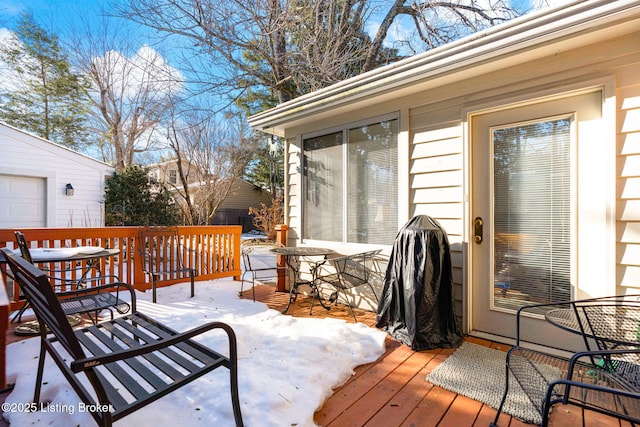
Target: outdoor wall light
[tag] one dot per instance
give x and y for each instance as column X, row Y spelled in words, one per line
column 68, row 190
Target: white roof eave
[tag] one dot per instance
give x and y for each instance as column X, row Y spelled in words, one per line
column 60, row 148
column 537, row 30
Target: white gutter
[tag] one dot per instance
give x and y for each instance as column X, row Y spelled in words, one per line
column 529, row 31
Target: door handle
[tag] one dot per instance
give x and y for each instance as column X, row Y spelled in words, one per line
column 477, row 230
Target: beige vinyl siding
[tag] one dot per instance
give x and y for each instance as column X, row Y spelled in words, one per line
column 244, row 195
column 294, row 193
column 587, row 47
column 628, row 178
column 436, row 178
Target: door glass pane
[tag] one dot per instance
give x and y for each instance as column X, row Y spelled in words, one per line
column 532, row 213
column 372, row 203
column 323, row 182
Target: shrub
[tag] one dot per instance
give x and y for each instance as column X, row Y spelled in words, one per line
column 267, row 217
column 134, row 198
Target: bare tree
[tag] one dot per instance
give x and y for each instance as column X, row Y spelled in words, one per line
column 210, row 157
column 438, row 22
column 291, row 47
column 329, row 42
column 130, row 94
column 219, row 36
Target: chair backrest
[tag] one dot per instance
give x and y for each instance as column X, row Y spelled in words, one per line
column 23, row 246
column 356, row 269
column 160, row 247
column 612, row 321
column 252, row 250
column 39, row 292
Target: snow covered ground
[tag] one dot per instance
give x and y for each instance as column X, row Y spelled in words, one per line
column 287, row 366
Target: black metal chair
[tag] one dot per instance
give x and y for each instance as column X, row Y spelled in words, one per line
column 77, row 297
column 605, row 379
column 260, row 262
column 348, row 272
column 119, row 366
column 161, row 251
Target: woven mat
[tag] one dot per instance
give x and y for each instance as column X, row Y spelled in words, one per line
column 478, row 372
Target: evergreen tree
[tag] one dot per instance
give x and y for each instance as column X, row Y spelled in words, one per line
column 134, row 198
column 47, row 98
column 267, row 169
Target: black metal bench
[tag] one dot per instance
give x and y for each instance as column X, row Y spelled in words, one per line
column 161, row 252
column 129, row 362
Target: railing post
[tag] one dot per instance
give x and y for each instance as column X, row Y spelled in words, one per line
column 219, row 251
column 139, row 276
column 281, row 237
column 4, row 327
column 236, row 254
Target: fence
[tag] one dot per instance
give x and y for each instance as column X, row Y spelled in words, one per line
column 213, row 251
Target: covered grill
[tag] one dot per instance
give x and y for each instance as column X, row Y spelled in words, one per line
column 416, row 306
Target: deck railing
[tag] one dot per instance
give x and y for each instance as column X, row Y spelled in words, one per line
column 213, row 251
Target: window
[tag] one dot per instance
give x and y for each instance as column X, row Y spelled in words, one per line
column 532, row 209
column 173, row 176
column 351, row 184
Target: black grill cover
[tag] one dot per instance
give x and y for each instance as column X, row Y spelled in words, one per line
column 416, row 306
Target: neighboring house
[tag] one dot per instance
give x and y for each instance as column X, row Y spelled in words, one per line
column 523, row 141
column 167, row 172
column 234, row 210
column 43, row 184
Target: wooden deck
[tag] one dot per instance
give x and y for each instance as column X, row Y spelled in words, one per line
column 393, row 391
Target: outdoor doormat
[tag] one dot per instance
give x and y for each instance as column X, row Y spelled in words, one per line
column 478, row 372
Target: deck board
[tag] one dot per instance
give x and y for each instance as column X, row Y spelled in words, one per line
column 368, row 406
column 392, row 391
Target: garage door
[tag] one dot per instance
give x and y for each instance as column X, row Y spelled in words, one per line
column 22, row 201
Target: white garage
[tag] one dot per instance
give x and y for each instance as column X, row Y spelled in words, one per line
column 35, row 176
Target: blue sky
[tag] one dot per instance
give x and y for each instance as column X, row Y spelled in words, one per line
column 60, row 17
column 56, row 15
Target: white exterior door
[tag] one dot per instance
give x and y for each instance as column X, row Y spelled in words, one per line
column 22, row 201
column 535, row 205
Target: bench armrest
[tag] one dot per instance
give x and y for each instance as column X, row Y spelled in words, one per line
column 90, row 362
